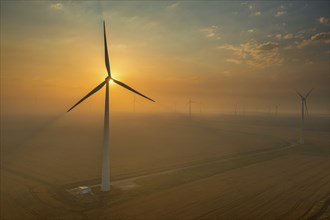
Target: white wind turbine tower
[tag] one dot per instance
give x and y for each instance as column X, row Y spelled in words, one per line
column 303, row 107
column 105, row 183
column 189, row 103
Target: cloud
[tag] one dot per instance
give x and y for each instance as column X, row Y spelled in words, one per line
column 257, row 13
column 252, row 9
column 268, row 46
column 134, row 18
column 233, row 61
column 255, row 54
column 324, row 20
column 288, row 36
column 302, row 33
column 285, row 37
column 56, row 6
column 280, row 13
column 142, row 22
column 323, row 37
column 174, row 5
column 211, row 32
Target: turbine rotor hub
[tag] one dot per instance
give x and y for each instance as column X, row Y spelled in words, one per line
column 107, row 79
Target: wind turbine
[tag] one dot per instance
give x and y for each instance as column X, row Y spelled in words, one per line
column 105, row 183
column 189, row 102
column 303, row 107
column 276, row 110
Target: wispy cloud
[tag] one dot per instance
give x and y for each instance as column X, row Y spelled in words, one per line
column 324, row 20
column 142, row 22
column 211, row 32
column 255, row 54
column 302, row 33
column 253, row 9
column 257, row 13
column 56, row 6
column 173, row 5
column 248, row 31
column 132, row 19
column 323, row 37
column 288, row 36
column 268, row 46
column 236, row 61
column 280, row 13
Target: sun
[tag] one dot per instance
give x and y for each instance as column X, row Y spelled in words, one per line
column 111, row 80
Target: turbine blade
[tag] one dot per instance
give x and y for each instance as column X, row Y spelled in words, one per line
column 89, row 94
column 308, row 93
column 131, row 89
column 106, row 55
column 299, row 94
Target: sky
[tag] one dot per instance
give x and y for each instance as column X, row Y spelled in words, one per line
column 221, row 54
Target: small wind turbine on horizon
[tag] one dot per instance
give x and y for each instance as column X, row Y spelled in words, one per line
column 303, row 107
column 276, row 110
column 189, row 103
column 105, row 180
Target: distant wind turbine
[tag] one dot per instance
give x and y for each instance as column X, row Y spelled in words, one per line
column 105, row 183
column 190, row 102
column 303, row 107
column 276, row 110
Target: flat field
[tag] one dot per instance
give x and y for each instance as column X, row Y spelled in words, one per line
column 165, row 166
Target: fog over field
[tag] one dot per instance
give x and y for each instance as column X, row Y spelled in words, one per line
column 165, row 166
column 164, row 110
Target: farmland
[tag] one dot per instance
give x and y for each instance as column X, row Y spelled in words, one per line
column 166, row 167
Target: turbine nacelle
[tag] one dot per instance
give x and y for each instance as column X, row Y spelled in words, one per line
column 108, row 79
column 303, row 98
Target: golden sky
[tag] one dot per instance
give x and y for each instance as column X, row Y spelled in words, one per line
column 252, row 54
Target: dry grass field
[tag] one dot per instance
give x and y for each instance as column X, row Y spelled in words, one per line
column 165, row 167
